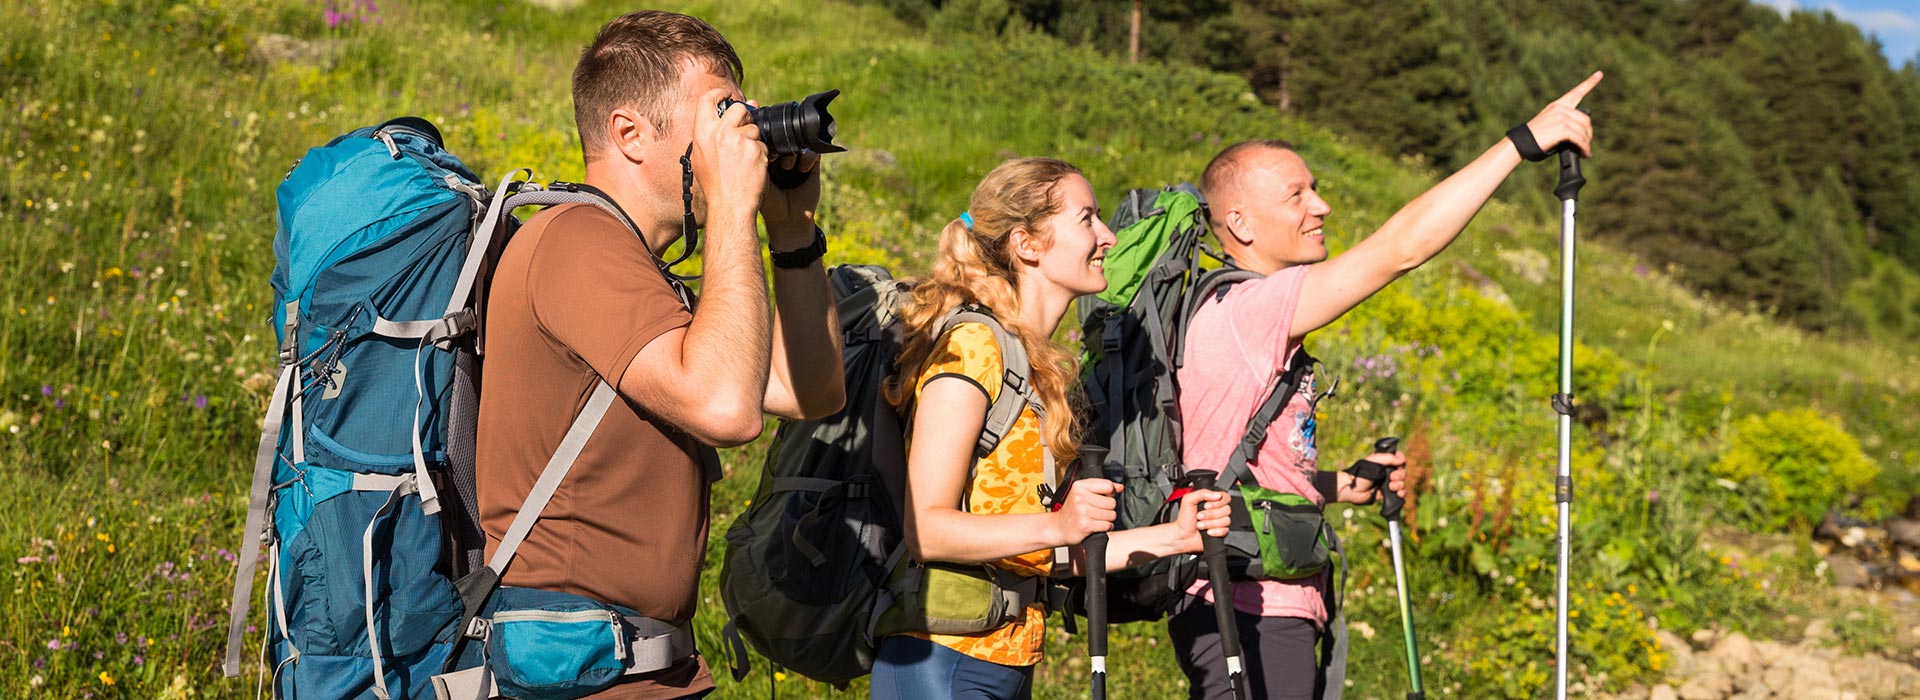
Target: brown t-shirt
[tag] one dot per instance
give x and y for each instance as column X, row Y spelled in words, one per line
column 575, row 297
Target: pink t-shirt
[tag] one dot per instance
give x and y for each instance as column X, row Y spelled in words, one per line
column 1236, row 347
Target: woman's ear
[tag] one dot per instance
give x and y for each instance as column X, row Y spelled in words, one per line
column 1025, row 246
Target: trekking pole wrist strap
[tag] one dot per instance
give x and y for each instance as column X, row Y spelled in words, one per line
column 1523, row 141
column 1328, row 484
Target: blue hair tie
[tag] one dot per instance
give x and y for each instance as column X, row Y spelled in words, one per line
column 967, row 219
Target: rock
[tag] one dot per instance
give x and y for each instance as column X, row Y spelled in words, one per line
column 1769, row 652
column 1853, row 537
column 1904, row 531
column 1664, row 692
column 1857, row 675
column 1779, row 676
column 1704, row 637
column 1817, row 630
column 872, row 159
column 280, row 48
column 1848, row 572
column 1812, row 679
column 1755, row 691
column 1709, row 685
column 1737, row 655
column 1679, row 655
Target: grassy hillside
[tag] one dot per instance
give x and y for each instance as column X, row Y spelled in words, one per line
column 144, row 140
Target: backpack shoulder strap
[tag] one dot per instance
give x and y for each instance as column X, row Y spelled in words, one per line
column 1212, row 283
column 1016, row 390
column 1283, row 390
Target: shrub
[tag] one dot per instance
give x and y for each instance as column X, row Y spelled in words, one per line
column 1801, row 462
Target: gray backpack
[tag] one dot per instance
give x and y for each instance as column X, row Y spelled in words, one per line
column 807, row 568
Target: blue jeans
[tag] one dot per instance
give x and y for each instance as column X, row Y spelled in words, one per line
column 916, row 669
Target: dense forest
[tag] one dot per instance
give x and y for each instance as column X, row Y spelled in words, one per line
column 1764, row 158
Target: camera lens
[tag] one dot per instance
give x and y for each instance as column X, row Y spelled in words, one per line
column 791, row 127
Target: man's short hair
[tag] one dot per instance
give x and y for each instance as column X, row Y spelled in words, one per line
column 635, row 62
column 1226, row 166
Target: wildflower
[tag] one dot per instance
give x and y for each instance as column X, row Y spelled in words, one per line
column 37, row 681
column 46, row 389
column 105, row 679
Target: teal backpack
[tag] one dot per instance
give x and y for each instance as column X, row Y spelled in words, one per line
column 363, row 497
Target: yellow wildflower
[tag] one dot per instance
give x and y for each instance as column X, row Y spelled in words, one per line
column 105, row 679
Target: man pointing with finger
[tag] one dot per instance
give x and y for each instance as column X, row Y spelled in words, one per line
column 1264, row 208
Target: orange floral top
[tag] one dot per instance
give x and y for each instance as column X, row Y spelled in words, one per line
column 1007, row 481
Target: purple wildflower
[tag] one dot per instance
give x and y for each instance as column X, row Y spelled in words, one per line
column 139, row 660
column 59, row 404
column 53, row 644
column 200, row 401
column 46, row 389
column 334, row 18
column 120, row 637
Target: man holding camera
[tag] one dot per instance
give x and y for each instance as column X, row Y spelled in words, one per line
column 1268, row 216
column 579, row 299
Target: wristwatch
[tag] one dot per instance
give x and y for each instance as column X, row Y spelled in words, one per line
column 801, row 258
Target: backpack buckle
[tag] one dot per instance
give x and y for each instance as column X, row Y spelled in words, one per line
column 1110, row 334
column 1010, row 380
column 479, row 628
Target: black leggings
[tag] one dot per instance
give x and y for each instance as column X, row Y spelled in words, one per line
column 1282, row 661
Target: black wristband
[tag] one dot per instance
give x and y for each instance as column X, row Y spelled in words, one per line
column 1522, row 138
column 801, row 258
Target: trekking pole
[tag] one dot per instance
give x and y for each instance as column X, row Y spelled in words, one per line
column 1568, row 190
column 1390, row 504
column 1215, row 556
column 1094, row 549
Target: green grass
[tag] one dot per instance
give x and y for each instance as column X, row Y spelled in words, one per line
column 143, row 143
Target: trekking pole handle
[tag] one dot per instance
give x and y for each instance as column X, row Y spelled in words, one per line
column 1570, row 178
column 1390, row 502
column 1214, row 553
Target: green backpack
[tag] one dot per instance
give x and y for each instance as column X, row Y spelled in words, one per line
column 816, row 572
column 1132, row 333
column 1134, row 336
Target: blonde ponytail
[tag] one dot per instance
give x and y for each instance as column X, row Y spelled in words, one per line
column 975, row 266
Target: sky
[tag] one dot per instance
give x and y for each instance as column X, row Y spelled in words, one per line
column 1895, row 22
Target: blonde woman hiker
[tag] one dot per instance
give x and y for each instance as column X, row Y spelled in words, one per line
column 1031, row 241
